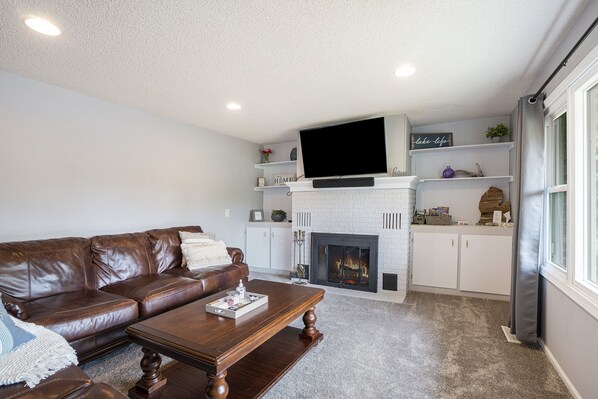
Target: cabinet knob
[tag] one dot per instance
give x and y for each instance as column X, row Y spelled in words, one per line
column 453, row 242
column 466, row 243
column 265, row 234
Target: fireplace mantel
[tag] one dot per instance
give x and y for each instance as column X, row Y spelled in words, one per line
column 380, row 183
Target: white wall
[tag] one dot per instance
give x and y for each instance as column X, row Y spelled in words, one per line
column 278, row 198
column 570, row 334
column 466, row 132
column 76, row 165
column 462, row 197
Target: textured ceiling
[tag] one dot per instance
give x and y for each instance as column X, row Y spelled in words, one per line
column 290, row 64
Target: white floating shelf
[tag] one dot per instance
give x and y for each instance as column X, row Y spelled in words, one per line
column 455, row 179
column 508, row 145
column 265, row 188
column 274, row 164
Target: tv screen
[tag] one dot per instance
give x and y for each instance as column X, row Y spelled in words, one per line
column 354, row 148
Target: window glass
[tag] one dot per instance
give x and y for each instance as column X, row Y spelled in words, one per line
column 557, row 203
column 560, row 141
column 592, row 112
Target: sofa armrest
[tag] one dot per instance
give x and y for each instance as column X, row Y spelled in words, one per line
column 236, row 254
column 14, row 306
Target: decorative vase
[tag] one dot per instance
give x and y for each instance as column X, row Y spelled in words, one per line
column 266, row 157
column 495, row 139
column 448, row 173
column 278, row 217
column 293, row 154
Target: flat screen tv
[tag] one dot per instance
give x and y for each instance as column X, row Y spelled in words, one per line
column 354, row 148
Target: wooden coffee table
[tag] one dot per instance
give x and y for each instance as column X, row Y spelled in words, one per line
column 218, row 356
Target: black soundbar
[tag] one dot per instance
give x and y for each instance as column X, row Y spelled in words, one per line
column 347, row 182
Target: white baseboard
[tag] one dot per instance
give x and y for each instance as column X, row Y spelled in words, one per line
column 560, row 371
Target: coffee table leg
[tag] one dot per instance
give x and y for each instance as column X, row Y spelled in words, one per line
column 217, row 386
column 309, row 319
column 152, row 379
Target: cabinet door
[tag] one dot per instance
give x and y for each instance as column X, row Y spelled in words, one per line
column 257, row 247
column 281, row 240
column 486, row 264
column 435, row 259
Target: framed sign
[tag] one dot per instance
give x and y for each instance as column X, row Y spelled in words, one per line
column 431, row 140
column 256, row 215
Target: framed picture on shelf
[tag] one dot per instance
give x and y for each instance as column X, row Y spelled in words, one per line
column 261, row 182
column 256, row 215
column 431, row 140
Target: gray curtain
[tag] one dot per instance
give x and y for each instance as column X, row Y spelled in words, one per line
column 527, row 210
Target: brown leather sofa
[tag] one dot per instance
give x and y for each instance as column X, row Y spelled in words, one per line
column 68, row 383
column 90, row 290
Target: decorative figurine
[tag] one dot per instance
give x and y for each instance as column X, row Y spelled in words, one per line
column 448, row 173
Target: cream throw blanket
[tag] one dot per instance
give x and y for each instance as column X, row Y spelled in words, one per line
column 37, row 359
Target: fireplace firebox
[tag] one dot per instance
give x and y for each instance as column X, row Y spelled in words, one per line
column 345, row 260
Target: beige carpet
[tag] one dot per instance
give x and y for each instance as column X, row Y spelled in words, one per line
column 430, row 346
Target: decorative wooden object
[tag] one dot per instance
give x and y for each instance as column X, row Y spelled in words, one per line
column 220, row 357
column 492, row 200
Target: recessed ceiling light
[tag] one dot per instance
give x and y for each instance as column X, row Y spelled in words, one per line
column 233, row 106
column 42, row 26
column 405, row 70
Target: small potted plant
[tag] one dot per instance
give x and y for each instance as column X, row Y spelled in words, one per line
column 495, row 133
column 265, row 154
column 278, row 215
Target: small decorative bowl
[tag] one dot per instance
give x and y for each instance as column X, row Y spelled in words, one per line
column 278, row 217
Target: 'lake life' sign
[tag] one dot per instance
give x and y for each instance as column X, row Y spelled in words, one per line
column 431, row 140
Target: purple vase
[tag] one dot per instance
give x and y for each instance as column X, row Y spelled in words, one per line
column 448, row 173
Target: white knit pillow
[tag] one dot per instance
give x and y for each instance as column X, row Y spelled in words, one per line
column 205, row 254
column 188, row 237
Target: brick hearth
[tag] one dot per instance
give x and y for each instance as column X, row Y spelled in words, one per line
column 384, row 210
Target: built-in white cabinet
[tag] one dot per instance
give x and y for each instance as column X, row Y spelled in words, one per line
column 435, row 258
column 269, row 247
column 486, row 264
column 462, row 258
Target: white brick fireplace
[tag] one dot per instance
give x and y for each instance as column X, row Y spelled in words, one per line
column 384, row 210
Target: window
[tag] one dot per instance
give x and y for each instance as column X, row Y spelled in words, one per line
column 570, row 236
column 592, row 120
column 556, row 191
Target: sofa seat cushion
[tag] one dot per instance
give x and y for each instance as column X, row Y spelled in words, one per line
column 101, row 391
column 75, row 315
column 215, row 278
column 63, row 383
column 157, row 293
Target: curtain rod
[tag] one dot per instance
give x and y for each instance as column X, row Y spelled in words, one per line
column 563, row 63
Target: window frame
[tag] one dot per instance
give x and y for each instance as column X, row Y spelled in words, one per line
column 549, row 184
column 570, row 96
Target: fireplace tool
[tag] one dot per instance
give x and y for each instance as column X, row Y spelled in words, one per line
column 299, row 251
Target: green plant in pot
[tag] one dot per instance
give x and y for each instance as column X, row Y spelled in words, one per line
column 495, row 133
column 278, row 215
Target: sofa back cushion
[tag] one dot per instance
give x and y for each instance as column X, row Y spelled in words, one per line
column 119, row 257
column 37, row 269
column 166, row 246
